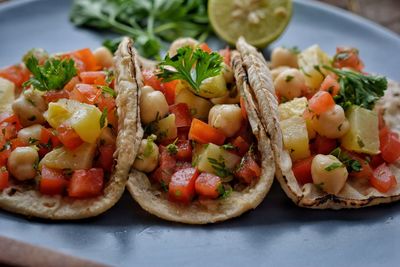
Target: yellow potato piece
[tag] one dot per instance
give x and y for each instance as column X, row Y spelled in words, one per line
column 77, row 159
column 199, row 107
column 363, row 135
column 6, row 94
column 166, row 128
column 57, row 114
column 295, row 137
column 310, row 61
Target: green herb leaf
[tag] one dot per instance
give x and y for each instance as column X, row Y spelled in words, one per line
column 352, row 165
column 193, row 66
column 288, row 78
column 53, row 75
column 229, row 146
column 358, row 89
column 334, row 166
column 103, row 118
column 224, row 192
column 172, row 148
column 148, row 150
column 107, row 90
column 219, row 167
column 32, row 141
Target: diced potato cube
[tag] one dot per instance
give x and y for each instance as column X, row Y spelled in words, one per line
column 6, row 94
column 363, row 135
column 292, row 108
column 213, row 87
column 166, row 128
column 86, row 123
column 80, row 158
column 199, row 107
column 295, row 137
column 214, row 159
column 310, row 62
column 83, row 118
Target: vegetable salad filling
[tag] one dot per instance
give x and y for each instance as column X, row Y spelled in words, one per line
column 329, row 121
column 59, row 134
column 198, row 143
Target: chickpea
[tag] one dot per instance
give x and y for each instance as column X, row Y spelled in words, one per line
column 281, row 56
column 328, row 173
column 181, row 42
column 153, row 105
column 290, row 84
column 228, row 73
column 275, row 72
column 147, row 158
column 21, row 163
column 104, row 57
column 332, row 123
column 30, row 135
column 29, row 108
column 227, row 118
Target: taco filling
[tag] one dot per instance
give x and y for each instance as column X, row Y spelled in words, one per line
column 330, row 121
column 58, row 135
column 198, row 145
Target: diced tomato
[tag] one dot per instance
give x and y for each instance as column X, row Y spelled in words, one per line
column 8, row 131
column 324, row 145
column 182, row 185
column 54, row 96
column 4, row 176
column 10, row 119
column 16, row 142
column 241, row 146
column 183, row 133
column 205, row 47
column 331, row 85
column 106, row 156
column 53, row 182
column 243, row 107
column 383, row 179
column 203, row 133
column 207, row 185
column 112, row 118
column 302, row 170
column 85, row 93
column 72, row 83
column 93, row 77
column 4, row 154
column 376, row 160
column 366, row 170
column 18, row 74
column 182, row 165
column 249, row 169
column 245, row 132
column 152, row 80
column 169, row 89
column 321, row 102
column 86, row 183
column 106, row 102
column 347, row 57
column 86, row 57
column 47, row 137
column 182, row 114
column 184, row 150
column 166, row 167
column 68, row 137
column 226, row 54
column 389, row 145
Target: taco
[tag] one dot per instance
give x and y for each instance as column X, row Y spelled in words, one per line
column 205, row 156
column 67, row 138
column 335, row 129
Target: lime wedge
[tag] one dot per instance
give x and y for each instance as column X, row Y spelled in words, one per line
column 259, row 21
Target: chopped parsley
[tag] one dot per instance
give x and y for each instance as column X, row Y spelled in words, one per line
column 224, row 192
column 219, row 167
column 334, row 166
column 32, row 141
column 173, row 148
column 289, row 78
column 52, row 75
column 103, row 118
column 352, row 165
column 360, row 142
column 229, row 146
column 149, row 148
column 107, row 90
column 193, row 66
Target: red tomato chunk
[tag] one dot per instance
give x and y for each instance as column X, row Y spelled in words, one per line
column 207, row 185
column 86, row 183
column 383, row 179
column 182, row 185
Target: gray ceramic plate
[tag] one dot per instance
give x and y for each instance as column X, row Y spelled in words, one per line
column 277, row 233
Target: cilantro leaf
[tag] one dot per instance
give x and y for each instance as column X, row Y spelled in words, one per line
column 107, row 90
column 358, row 89
column 53, row 75
column 352, row 165
column 219, row 167
column 103, row 118
column 334, row 166
column 193, row 66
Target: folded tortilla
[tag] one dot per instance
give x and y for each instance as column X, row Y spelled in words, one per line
column 155, row 202
column 28, row 201
column 356, row 193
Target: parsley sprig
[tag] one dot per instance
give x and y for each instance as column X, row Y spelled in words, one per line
column 53, row 75
column 191, row 65
column 358, row 89
column 352, row 165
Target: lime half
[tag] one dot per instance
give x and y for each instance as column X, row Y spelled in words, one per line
column 259, row 21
